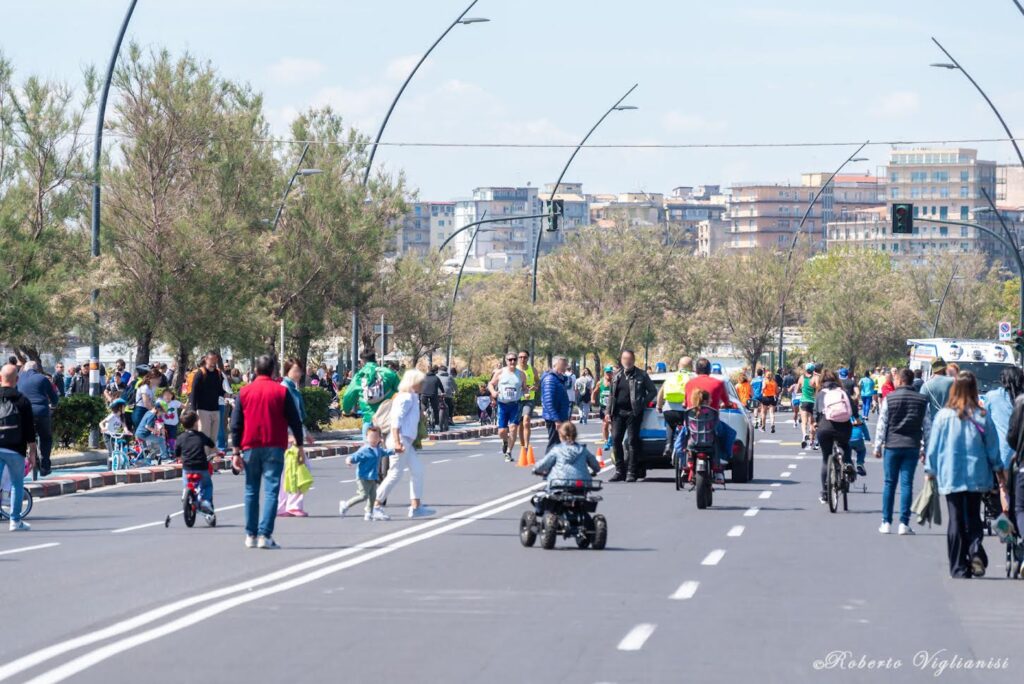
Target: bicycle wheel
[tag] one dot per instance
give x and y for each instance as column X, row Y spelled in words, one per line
column 189, row 506
column 6, row 501
column 833, row 484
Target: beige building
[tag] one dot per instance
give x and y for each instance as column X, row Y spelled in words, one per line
column 712, row 235
column 1010, row 185
column 942, row 184
column 764, row 216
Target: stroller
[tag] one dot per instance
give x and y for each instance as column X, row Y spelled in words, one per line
column 483, row 403
column 992, row 509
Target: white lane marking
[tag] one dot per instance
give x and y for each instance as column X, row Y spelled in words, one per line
column 637, row 637
column 714, row 557
column 443, row 460
column 736, row 531
column 31, row 660
column 29, row 548
column 792, row 466
column 775, row 484
column 765, row 495
column 751, row 512
column 474, row 455
column 346, row 481
column 786, row 473
column 161, row 522
column 769, row 441
column 685, row 591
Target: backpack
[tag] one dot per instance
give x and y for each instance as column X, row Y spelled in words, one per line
column 583, row 391
column 373, row 391
column 10, row 425
column 836, row 405
column 128, row 394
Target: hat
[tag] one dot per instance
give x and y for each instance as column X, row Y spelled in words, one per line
column 118, row 402
column 608, row 369
column 809, row 368
column 843, row 373
column 142, row 368
column 938, row 364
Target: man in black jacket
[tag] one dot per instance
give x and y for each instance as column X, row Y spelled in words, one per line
column 17, row 440
column 207, row 389
column 631, row 391
column 432, row 392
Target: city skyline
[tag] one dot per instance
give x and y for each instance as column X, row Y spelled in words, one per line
column 543, row 77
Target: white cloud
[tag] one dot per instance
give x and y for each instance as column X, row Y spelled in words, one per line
column 676, row 122
column 400, row 67
column 295, row 70
column 896, row 105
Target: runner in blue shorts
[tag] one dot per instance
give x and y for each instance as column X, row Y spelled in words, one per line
column 507, row 386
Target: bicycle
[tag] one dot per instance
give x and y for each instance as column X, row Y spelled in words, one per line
column 443, row 419
column 838, row 480
column 191, row 505
column 6, row 496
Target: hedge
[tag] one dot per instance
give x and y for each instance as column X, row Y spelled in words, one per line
column 75, row 416
column 317, row 401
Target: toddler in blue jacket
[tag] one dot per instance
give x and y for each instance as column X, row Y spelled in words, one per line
column 367, row 460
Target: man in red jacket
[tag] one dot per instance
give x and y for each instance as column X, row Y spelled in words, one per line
column 259, row 435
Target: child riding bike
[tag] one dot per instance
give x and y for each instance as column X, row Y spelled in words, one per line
column 191, row 448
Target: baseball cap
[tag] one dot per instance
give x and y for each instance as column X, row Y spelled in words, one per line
column 608, row 369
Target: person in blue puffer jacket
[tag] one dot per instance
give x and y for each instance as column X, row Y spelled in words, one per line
column 568, row 460
column 962, row 453
column 554, row 399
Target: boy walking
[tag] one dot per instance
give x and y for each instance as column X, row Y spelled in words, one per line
column 368, row 461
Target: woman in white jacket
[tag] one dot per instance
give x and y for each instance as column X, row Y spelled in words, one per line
column 405, row 425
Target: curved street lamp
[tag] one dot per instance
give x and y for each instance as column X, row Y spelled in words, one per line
column 458, row 281
column 796, row 236
column 461, row 19
column 955, row 65
column 945, row 293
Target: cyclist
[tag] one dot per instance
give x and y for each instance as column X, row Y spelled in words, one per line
column 832, row 412
column 507, row 387
column 432, row 394
column 671, row 401
column 769, row 400
column 867, row 393
column 807, row 388
column 718, row 399
column 449, row 387
column 528, row 405
column 601, row 392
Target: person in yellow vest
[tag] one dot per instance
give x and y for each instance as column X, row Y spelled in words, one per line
column 672, row 401
column 528, row 403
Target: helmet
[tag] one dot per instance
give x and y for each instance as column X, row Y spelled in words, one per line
column 118, row 402
column 809, row 368
column 608, row 369
column 843, row 373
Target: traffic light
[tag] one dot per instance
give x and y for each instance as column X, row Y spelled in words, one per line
column 1018, row 341
column 902, row 219
column 555, row 211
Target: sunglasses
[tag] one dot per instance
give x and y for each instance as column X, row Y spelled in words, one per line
column 510, row 359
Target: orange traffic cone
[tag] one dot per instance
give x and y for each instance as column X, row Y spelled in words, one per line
column 524, row 458
column 600, row 456
column 529, row 456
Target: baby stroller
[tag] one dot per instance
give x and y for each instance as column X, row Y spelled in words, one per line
column 992, row 509
column 483, row 403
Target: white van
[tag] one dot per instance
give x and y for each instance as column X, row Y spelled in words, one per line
column 985, row 358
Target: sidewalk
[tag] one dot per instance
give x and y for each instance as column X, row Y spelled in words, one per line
column 69, row 483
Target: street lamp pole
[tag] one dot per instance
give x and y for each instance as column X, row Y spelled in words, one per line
column 945, row 293
column 461, row 19
column 796, row 236
column 455, row 293
column 299, row 171
column 618, row 106
column 503, row 219
column 956, row 65
column 97, row 151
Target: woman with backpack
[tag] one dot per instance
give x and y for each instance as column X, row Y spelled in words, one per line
column 832, row 413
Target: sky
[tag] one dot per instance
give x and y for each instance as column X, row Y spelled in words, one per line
column 543, row 72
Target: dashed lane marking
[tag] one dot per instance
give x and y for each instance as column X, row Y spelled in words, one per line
column 714, row 557
column 685, row 591
column 751, row 512
column 791, row 466
column 765, row 495
column 443, row 460
column 29, row 548
column 475, row 455
column 736, row 531
column 637, row 637
column 468, row 443
column 786, row 473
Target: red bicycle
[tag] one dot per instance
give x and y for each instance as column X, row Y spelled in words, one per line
column 191, row 503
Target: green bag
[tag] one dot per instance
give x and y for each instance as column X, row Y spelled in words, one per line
column 421, row 431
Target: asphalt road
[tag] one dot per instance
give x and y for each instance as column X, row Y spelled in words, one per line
column 762, row 587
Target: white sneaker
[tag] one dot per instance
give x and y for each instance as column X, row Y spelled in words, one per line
column 379, row 514
column 368, row 516
column 250, row 541
column 885, row 528
column 20, row 526
column 342, row 508
column 266, row 543
column 904, row 529
column 421, row 512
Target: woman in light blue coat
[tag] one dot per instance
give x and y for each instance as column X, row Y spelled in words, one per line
column 999, row 403
column 962, row 454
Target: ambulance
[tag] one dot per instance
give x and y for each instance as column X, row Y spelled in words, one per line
column 985, row 358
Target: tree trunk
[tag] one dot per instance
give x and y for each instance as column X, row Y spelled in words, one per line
column 270, row 345
column 181, row 365
column 303, row 340
column 597, row 365
column 26, row 354
column 142, row 346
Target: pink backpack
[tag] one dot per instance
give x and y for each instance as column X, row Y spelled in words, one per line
column 837, row 407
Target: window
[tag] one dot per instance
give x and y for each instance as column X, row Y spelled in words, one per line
column 894, row 177
column 933, row 211
column 964, row 212
column 915, row 192
column 917, row 210
column 895, row 246
column 963, row 247
column 918, row 176
column 894, row 193
column 963, row 231
column 943, row 231
column 963, row 192
column 943, row 213
column 965, row 176
column 940, row 176
column 944, row 192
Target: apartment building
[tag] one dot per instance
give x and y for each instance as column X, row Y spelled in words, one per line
column 502, row 245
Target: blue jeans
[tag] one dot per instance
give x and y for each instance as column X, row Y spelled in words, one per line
column 262, row 465
column 865, row 406
column 156, row 442
column 860, row 449
column 899, row 464
column 14, row 462
column 222, row 438
column 205, row 484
